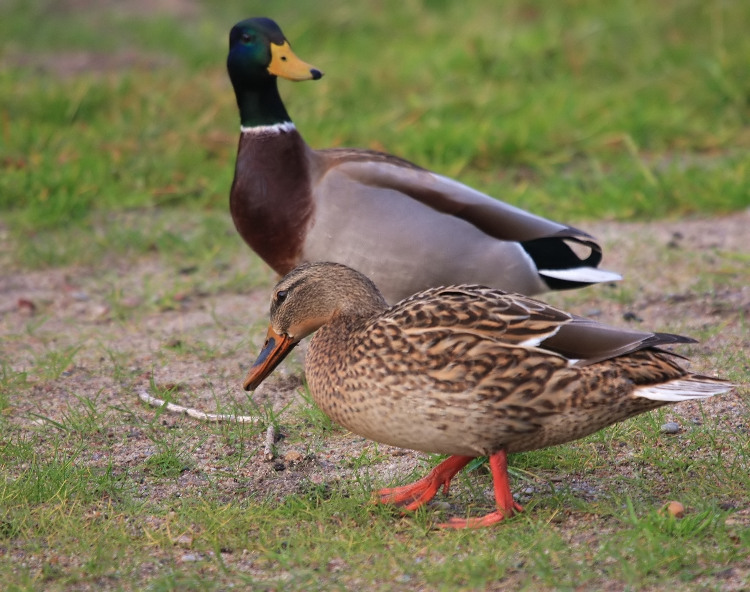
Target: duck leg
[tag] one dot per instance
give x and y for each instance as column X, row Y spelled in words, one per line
column 506, row 507
column 420, row 492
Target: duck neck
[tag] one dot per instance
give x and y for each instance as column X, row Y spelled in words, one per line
column 359, row 312
column 261, row 106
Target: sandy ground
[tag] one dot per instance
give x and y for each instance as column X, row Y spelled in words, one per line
column 688, row 276
column 90, row 338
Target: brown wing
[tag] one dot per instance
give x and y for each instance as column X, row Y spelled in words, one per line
column 514, row 319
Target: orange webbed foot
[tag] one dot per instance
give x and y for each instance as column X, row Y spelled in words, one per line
column 486, row 520
column 420, row 492
column 506, row 506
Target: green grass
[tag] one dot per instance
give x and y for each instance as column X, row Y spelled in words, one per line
column 91, row 530
column 170, row 518
column 87, row 505
column 117, row 177
column 573, row 110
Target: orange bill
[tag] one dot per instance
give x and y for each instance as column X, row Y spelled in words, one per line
column 274, row 351
column 287, row 65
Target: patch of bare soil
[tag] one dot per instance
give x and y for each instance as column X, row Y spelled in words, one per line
column 204, row 341
column 119, row 333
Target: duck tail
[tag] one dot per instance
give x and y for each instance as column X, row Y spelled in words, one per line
column 693, row 386
column 563, row 265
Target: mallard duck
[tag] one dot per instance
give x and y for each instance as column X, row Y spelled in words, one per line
column 401, row 225
column 466, row 371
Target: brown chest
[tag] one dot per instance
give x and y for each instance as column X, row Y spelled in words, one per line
column 271, row 200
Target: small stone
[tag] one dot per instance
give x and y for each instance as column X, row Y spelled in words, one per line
column 670, row 427
column 675, row 509
column 336, row 564
column 98, row 312
column 184, row 540
column 26, row 307
column 293, row 456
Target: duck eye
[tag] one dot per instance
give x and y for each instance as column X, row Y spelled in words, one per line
column 281, row 296
column 248, row 38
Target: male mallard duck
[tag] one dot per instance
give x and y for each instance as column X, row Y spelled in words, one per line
column 403, row 226
column 465, row 370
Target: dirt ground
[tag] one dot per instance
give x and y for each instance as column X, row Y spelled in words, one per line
column 687, row 276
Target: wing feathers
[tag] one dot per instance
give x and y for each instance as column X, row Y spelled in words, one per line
column 518, row 320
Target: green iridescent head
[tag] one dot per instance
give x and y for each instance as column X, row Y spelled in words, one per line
column 259, row 52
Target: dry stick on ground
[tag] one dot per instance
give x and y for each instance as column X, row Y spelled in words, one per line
column 194, row 413
column 268, row 452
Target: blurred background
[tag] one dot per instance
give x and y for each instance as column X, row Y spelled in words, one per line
column 115, row 112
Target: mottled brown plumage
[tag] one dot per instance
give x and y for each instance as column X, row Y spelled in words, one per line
column 465, row 370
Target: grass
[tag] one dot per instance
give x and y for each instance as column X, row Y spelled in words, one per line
column 113, row 199
column 331, row 536
column 173, row 517
column 100, row 492
column 570, row 109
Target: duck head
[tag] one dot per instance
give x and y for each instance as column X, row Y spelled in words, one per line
column 259, row 52
column 307, row 298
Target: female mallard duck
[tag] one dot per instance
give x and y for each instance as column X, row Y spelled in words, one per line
column 403, row 226
column 465, row 370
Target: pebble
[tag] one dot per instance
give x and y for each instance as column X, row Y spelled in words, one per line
column 184, row 540
column 675, row 509
column 670, row 427
column 26, row 307
column 293, row 456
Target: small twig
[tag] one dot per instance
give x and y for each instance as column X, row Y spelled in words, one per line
column 194, row 413
column 268, row 452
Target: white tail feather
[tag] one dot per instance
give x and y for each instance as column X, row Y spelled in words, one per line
column 590, row 275
column 683, row 390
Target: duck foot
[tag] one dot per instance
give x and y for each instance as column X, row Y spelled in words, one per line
column 486, row 520
column 420, row 492
column 506, row 506
column 417, row 494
